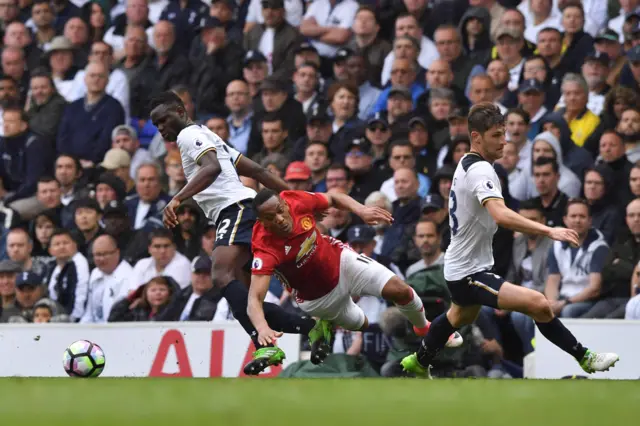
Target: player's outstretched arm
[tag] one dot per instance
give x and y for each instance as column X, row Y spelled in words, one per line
column 509, row 219
column 250, row 168
column 370, row 215
column 257, row 293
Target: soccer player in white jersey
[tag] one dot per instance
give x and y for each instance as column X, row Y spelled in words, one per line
column 476, row 209
column 212, row 169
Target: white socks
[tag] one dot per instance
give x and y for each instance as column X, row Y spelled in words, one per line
column 414, row 311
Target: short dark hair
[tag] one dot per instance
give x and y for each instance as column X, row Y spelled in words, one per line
column 20, row 229
column 161, row 233
column 339, row 166
column 48, row 179
column 484, row 116
column 168, row 98
column 531, row 204
column 549, row 30
column 522, row 113
column 612, row 132
column 424, row 220
column 272, row 117
column 16, row 108
column 75, row 159
column 47, row 2
column 401, row 143
column 311, row 143
column 262, row 197
column 543, row 161
column 62, row 231
column 573, row 3
column 574, row 201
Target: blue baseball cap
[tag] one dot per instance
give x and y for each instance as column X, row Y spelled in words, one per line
column 201, row 264
column 28, row 279
column 530, row 85
column 360, row 234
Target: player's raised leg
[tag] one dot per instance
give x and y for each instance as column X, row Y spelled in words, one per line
column 536, row 305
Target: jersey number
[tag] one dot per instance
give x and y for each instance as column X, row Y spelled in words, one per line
column 453, row 205
column 222, row 229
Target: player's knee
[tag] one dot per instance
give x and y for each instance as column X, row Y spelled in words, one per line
column 365, row 325
column 397, row 291
column 540, row 309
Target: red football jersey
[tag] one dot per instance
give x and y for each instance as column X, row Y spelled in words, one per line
column 305, row 261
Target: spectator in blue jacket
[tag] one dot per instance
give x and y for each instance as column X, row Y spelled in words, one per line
column 25, row 158
column 85, row 130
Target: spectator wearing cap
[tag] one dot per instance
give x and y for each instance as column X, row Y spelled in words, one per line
column 274, row 136
column 399, row 104
column 19, row 248
column 435, row 208
column 305, row 81
column 255, row 70
column 225, row 11
column 340, row 71
column 531, row 97
column 328, row 24
column 509, row 45
column 581, row 120
column 208, row 238
column 298, row 176
column 358, row 70
column 359, row 161
column 276, row 99
column 86, row 126
column 118, row 162
column 630, row 74
column 60, row 60
column 125, row 137
column 294, row 9
column 68, row 281
column 595, row 71
column 318, row 130
column 240, row 119
column 218, row 64
column 606, row 41
column 186, row 233
column 542, row 16
column 185, row 17
column 401, row 155
column 362, row 239
column 367, row 42
column 198, row 302
column 136, row 13
column 30, row 293
column 108, row 282
column 420, row 141
column 45, row 106
column 275, row 38
column 164, row 260
column 407, row 25
column 316, row 158
column 9, row 271
column 146, row 205
column 378, row 133
column 616, row 24
column 87, row 216
column 109, row 188
column 133, row 245
column 26, row 157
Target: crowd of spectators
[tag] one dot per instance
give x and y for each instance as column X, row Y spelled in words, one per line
column 368, row 98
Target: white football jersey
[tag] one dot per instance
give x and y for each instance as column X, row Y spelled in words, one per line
column 196, row 140
column 472, row 227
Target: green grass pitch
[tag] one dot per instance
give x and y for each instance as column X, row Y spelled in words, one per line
column 326, row 402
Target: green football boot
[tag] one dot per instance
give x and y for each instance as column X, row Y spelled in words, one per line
column 410, row 364
column 264, row 358
column 320, row 340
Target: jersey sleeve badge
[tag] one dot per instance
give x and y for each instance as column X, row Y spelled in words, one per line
column 306, row 223
column 257, row 263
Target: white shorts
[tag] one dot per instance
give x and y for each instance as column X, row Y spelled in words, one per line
column 359, row 276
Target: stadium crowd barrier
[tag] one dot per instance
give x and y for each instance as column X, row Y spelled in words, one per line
column 621, row 337
column 141, row 349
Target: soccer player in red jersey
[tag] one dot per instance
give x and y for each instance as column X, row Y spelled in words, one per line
column 323, row 273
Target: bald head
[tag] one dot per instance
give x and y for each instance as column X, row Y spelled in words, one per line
column 17, row 35
column 96, row 78
column 439, row 74
column 238, row 98
column 164, row 37
column 106, row 254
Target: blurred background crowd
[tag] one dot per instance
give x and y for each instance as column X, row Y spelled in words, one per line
column 367, row 98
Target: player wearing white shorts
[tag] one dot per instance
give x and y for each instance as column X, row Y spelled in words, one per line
column 212, row 169
column 322, row 273
column 476, row 209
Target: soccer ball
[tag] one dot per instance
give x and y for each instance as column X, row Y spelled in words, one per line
column 83, row 359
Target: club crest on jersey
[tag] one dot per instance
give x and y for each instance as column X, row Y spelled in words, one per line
column 306, row 247
column 198, row 143
column 306, row 223
column 257, row 263
column 489, row 185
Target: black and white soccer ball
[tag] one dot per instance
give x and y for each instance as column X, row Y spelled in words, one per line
column 83, row 359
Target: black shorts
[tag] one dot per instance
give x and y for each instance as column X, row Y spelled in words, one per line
column 480, row 288
column 235, row 224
